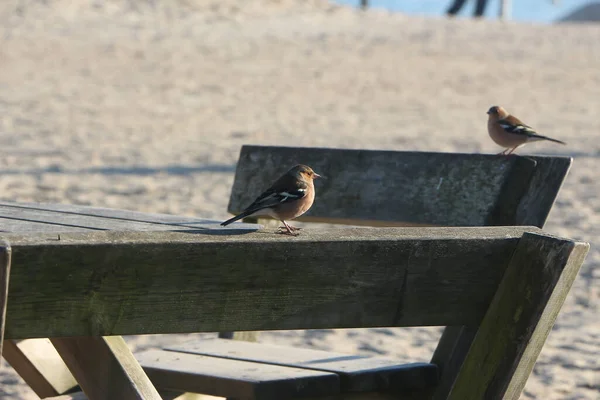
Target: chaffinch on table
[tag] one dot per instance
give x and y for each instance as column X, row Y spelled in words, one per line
column 288, row 198
column 509, row 132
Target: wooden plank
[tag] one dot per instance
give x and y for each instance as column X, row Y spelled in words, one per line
column 548, row 177
column 514, row 187
column 105, row 368
column 111, row 213
column 22, row 219
column 40, row 366
column 520, row 318
column 5, row 258
column 450, row 354
column 112, row 283
column 437, row 188
column 21, row 226
column 357, row 373
column 233, row 378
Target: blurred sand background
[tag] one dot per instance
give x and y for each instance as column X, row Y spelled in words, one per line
column 144, row 104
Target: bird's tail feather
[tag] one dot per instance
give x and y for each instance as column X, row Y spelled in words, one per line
column 553, row 140
column 238, row 217
column 541, row 137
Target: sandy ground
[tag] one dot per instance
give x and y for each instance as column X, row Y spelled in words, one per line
column 145, row 107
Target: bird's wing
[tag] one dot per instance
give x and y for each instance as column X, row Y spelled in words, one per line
column 279, row 194
column 513, row 125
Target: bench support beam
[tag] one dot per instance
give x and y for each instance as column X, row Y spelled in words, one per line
column 105, row 368
column 520, row 318
column 40, row 366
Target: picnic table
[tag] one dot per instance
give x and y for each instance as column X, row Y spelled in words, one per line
column 84, row 276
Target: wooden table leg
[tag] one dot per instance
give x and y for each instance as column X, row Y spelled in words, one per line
column 450, row 354
column 40, row 366
column 519, row 319
column 105, row 368
column 4, row 275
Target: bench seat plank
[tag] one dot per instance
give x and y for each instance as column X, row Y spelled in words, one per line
column 233, row 378
column 357, row 373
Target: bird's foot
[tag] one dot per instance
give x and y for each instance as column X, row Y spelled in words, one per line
column 291, row 228
column 284, row 231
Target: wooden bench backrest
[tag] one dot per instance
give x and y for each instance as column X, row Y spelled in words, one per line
column 372, row 187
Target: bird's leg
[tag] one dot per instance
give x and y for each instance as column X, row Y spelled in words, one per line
column 511, row 150
column 289, row 229
column 502, row 153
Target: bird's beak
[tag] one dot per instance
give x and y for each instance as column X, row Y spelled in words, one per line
column 318, row 176
column 488, row 112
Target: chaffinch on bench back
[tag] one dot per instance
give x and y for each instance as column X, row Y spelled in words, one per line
column 508, row 131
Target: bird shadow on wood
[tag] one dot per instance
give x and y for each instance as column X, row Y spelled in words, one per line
column 218, row 231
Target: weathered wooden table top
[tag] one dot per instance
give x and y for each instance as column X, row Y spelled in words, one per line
column 49, row 218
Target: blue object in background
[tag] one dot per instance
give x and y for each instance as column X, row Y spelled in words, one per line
column 522, row 10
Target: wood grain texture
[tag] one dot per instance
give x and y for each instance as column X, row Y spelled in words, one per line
column 116, row 283
column 105, row 368
column 547, row 179
column 107, row 213
column 357, row 373
column 5, row 261
column 40, row 366
column 450, row 354
column 47, row 218
column 36, row 360
column 248, row 336
column 233, row 378
column 520, row 318
column 436, row 188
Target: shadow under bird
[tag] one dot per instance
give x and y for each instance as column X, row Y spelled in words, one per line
column 509, row 132
column 288, row 198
